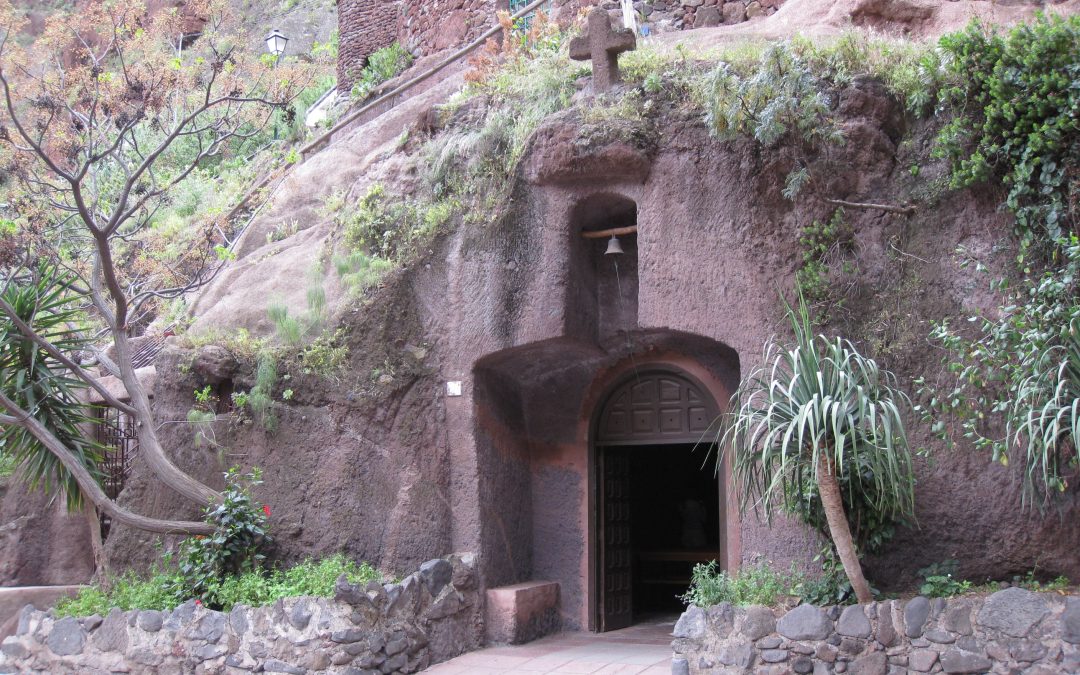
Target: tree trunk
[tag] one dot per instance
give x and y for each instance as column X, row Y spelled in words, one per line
column 149, row 447
column 101, row 561
column 829, row 488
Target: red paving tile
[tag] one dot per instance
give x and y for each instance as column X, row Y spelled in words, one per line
column 644, row 649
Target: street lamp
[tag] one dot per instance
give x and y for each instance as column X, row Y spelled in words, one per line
column 275, row 43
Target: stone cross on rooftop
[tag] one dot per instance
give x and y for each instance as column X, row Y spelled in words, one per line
column 603, row 45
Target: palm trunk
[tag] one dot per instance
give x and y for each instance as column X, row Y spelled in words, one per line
column 829, row 488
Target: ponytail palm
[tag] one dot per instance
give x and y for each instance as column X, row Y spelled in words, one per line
column 820, row 415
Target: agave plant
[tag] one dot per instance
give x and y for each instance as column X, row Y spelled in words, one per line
column 43, row 386
column 820, row 415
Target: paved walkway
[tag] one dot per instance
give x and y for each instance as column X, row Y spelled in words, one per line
column 644, row 648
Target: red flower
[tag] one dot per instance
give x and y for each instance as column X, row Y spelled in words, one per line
column 198, row 602
column 266, row 510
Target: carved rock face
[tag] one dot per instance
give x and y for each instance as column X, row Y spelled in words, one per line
column 214, row 363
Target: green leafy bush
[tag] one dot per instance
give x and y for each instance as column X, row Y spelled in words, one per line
column 385, row 227
column 260, row 398
column 939, row 580
column 781, row 95
column 832, row 587
column 1022, row 366
column 204, row 562
column 820, row 242
column 382, row 65
column 755, row 584
column 157, row 591
column 1015, row 95
column 359, row 271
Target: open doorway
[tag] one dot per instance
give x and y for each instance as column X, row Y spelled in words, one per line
column 658, row 510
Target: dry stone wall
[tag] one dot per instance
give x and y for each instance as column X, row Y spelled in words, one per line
column 1011, row 631
column 432, row 615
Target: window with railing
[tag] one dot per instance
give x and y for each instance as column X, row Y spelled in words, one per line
column 518, row 5
column 117, row 435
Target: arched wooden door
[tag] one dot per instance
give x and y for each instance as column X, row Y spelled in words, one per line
column 651, row 408
column 654, row 408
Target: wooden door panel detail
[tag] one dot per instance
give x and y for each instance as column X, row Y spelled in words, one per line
column 616, row 554
column 655, row 408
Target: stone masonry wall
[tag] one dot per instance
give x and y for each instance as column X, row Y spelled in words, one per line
column 363, row 27
column 1011, row 631
column 432, row 615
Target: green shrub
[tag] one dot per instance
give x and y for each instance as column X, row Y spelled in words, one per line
column 382, row 65
column 128, row 592
column 260, row 398
column 781, row 95
column 1022, row 366
column 1015, row 95
column 819, row 242
column 325, row 356
column 389, row 228
column 156, row 591
column 939, row 580
column 359, row 271
column 832, row 587
column 755, row 584
column 204, row 562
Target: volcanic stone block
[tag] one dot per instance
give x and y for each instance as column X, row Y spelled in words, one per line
column 805, row 622
column 853, row 622
column 757, row 622
column 67, row 637
column 1071, row 620
column 1013, row 611
column 691, row 624
column 915, row 614
column 960, row 661
column 522, row 612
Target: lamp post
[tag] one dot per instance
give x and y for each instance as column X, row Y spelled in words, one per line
column 275, row 44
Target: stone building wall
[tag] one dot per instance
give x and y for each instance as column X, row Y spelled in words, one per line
column 430, row 616
column 363, row 27
column 1011, row 631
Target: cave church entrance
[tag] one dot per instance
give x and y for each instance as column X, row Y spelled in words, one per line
column 658, row 507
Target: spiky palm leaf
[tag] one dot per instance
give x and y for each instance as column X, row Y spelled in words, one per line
column 44, row 387
column 1045, row 418
column 821, row 396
